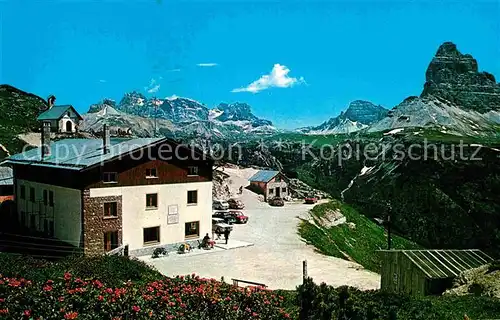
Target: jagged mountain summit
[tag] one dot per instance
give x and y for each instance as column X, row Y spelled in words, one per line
column 237, row 112
column 106, row 112
column 456, row 98
column 176, row 115
column 454, row 76
column 175, row 109
column 359, row 115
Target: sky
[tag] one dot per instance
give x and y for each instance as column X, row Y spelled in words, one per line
column 297, row 63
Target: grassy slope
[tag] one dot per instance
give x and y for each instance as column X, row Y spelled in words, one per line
column 360, row 244
column 18, row 113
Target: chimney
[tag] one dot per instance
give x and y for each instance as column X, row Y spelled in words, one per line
column 45, row 139
column 105, row 139
column 51, row 100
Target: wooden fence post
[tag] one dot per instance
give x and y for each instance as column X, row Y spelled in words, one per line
column 304, row 271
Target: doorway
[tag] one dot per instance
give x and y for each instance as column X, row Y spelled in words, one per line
column 69, row 126
column 110, row 240
column 278, row 192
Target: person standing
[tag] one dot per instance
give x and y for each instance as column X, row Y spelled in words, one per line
column 226, row 234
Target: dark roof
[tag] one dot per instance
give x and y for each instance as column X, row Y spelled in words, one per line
column 440, row 264
column 6, row 176
column 263, row 176
column 79, row 154
column 56, row 112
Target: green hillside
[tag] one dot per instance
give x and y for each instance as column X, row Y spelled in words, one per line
column 18, row 113
column 357, row 241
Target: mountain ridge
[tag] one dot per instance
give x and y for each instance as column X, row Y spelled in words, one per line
column 182, row 116
column 358, row 115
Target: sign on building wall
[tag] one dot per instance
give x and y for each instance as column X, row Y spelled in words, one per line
column 173, row 214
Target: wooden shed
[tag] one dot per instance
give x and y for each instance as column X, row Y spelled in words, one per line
column 270, row 183
column 426, row 272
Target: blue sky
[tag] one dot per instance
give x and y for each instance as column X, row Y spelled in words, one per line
column 324, row 53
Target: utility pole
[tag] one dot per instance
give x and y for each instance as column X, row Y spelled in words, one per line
column 304, row 271
column 389, row 211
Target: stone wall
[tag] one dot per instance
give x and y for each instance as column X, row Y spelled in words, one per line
column 95, row 224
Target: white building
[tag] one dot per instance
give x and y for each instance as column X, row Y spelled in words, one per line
column 102, row 194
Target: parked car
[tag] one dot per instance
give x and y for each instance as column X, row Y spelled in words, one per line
column 310, row 200
column 277, row 202
column 220, row 205
column 235, row 204
column 240, row 217
column 219, row 226
column 226, row 216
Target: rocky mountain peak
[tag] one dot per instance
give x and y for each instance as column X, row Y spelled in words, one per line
column 448, row 49
column 102, row 105
column 364, row 112
column 454, row 76
column 238, row 111
column 358, row 115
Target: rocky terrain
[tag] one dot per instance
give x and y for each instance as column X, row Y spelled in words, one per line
column 482, row 281
column 177, row 117
column 437, row 113
column 359, row 115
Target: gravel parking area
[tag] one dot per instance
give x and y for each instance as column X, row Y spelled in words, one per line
column 276, row 257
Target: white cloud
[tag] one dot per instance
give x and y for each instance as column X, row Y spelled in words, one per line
column 102, row 81
column 207, row 64
column 153, row 86
column 174, row 70
column 277, row 78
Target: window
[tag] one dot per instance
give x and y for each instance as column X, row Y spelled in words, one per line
column 151, row 173
column 109, row 177
column 193, row 197
column 32, row 194
column 192, row 171
column 271, row 191
column 23, row 192
column 283, row 189
column 152, row 201
column 32, row 221
column 51, row 198
column 151, row 235
column 110, row 209
column 45, row 197
column 110, row 240
column 192, row 229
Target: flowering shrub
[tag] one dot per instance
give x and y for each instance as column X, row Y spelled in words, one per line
column 187, row 297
